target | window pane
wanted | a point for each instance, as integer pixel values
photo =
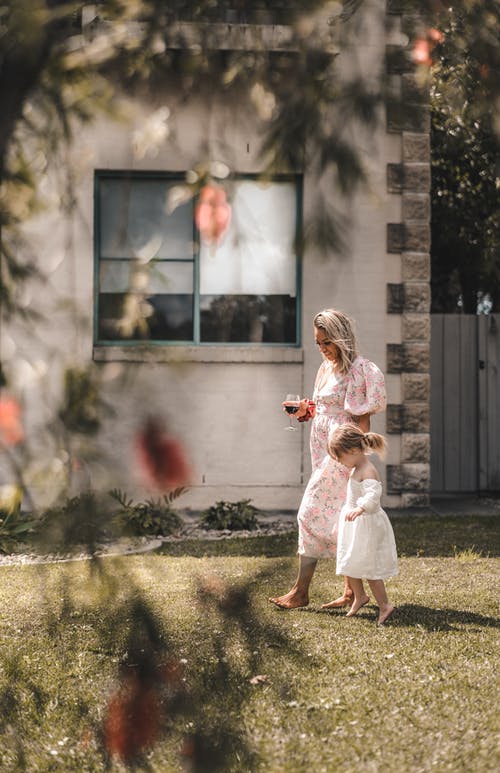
(148, 272)
(257, 255)
(134, 221)
(248, 318)
(125, 317)
(154, 277)
(145, 292)
(248, 282)
(173, 317)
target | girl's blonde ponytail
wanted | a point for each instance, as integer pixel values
(375, 442)
(348, 437)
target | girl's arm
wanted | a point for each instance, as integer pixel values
(353, 514)
(368, 503)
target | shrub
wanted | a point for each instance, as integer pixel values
(80, 520)
(230, 515)
(14, 526)
(149, 517)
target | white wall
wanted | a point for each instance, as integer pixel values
(227, 413)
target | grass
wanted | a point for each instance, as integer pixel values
(331, 694)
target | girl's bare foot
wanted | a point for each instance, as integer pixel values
(342, 601)
(291, 600)
(357, 604)
(385, 613)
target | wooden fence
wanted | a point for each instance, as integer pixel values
(465, 403)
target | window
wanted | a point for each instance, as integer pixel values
(157, 281)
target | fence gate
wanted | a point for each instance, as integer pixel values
(465, 403)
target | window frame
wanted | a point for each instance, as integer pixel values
(195, 342)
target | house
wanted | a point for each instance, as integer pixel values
(211, 336)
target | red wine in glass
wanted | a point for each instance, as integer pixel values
(291, 404)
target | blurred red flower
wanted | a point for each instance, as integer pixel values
(213, 213)
(421, 51)
(423, 46)
(435, 35)
(161, 457)
(11, 429)
(137, 709)
(132, 721)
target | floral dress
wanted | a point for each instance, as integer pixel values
(366, 546)
(338, 398)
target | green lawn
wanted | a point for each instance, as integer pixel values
(332, 694)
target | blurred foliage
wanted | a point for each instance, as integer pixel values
(80, 522)
(154, 516)
(81, 401)
(59, 456)
(15, 527)
(211, 660)
(114, 681)
(62, 63)
(230, 515)
(465, 142)
(471, 30)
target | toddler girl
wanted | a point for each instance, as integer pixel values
(365, 542)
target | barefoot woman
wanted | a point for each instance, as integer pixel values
(348, 388)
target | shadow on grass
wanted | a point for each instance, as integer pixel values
(271, 546)
(151, 694)
(435, 536)
(419, 616)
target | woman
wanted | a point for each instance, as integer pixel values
(348, 388)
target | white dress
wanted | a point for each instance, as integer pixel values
(366, 548)
(338, 398)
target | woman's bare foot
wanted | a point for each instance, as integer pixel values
(343, 601)
(291, 600)
(385, 613)
(357, 604)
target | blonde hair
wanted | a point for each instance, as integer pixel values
(349, 437)
(339, 329)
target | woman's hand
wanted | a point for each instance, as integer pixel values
(303, 408)
(353, 514)
(306, 411)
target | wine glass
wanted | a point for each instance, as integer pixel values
(291, 404)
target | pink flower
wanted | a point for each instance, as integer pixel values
(11, 429)
(161, 457)
(213, 213)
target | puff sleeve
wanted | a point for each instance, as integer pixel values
(370, 499)
(365, 391)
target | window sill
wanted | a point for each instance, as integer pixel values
(230, 35)
(227, 353)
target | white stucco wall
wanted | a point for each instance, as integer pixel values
(228, 412)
